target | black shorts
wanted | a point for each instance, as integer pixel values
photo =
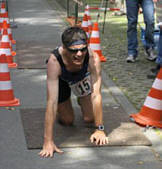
(64, 91)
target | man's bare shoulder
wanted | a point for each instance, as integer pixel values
(52, 59)
(53, 66)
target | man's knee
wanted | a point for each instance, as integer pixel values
(66, 120)
(89, 119)
(132, 25)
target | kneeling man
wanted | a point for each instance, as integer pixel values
(73, 67)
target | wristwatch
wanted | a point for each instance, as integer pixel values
(100, 127)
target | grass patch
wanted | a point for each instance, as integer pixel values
(159, 132)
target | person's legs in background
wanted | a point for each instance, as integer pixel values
(154, 71)
(159, 58)
(132, 16)
(148, 13)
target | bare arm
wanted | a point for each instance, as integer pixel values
(99, 137)
(53, 70)
(96, 86)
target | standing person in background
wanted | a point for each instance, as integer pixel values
(159, 58)
(132, 16)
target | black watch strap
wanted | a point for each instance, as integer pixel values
(100, 127)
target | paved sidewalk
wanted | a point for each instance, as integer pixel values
(38, 21)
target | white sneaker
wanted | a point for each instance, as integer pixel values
(131, 59)
(151, 54)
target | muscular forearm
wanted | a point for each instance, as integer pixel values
(97, 109)
(50, 117)
(49, 146)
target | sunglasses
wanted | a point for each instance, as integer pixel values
(77, 50)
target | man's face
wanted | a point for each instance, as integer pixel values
(77, 53)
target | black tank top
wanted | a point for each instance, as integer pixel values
(72, 77)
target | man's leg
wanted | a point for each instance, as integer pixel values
(87, 108)
(159, 58)
(132, 16)
(65, 112)
(154, 71)
(148, 12)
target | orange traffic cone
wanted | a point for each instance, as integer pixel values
(84, 25)
(95, 42)
(3, 13)
(89, 18)
(6, 24)
(5, 48)
(3, 8)
(2, 18)
(151, 112)
(6, 92)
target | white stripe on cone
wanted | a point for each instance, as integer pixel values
(84, 24)
(87, 11)
(95, 46)
(153, 103)
(3, 10)
(5, 51)
(89, 23)
(5, 38)
(157, 84)
(9, 30)
(4, 67)
(95, 34)
(4, 19)
(88, 15)
(5, 85)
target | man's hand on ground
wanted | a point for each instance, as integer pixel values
(49, 149)
(99, 138)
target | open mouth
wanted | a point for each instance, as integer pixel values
(77, 59)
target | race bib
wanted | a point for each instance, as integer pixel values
(82, 88)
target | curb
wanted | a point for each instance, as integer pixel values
(118, 94)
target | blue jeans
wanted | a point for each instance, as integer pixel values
(132, 16)
(159, 58)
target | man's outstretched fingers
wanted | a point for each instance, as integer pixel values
(103, 141)
(47, 154)
(98, 140)
(107, 140)
(42, 153)
(51, 154)
(58, 150)
(92, 138)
